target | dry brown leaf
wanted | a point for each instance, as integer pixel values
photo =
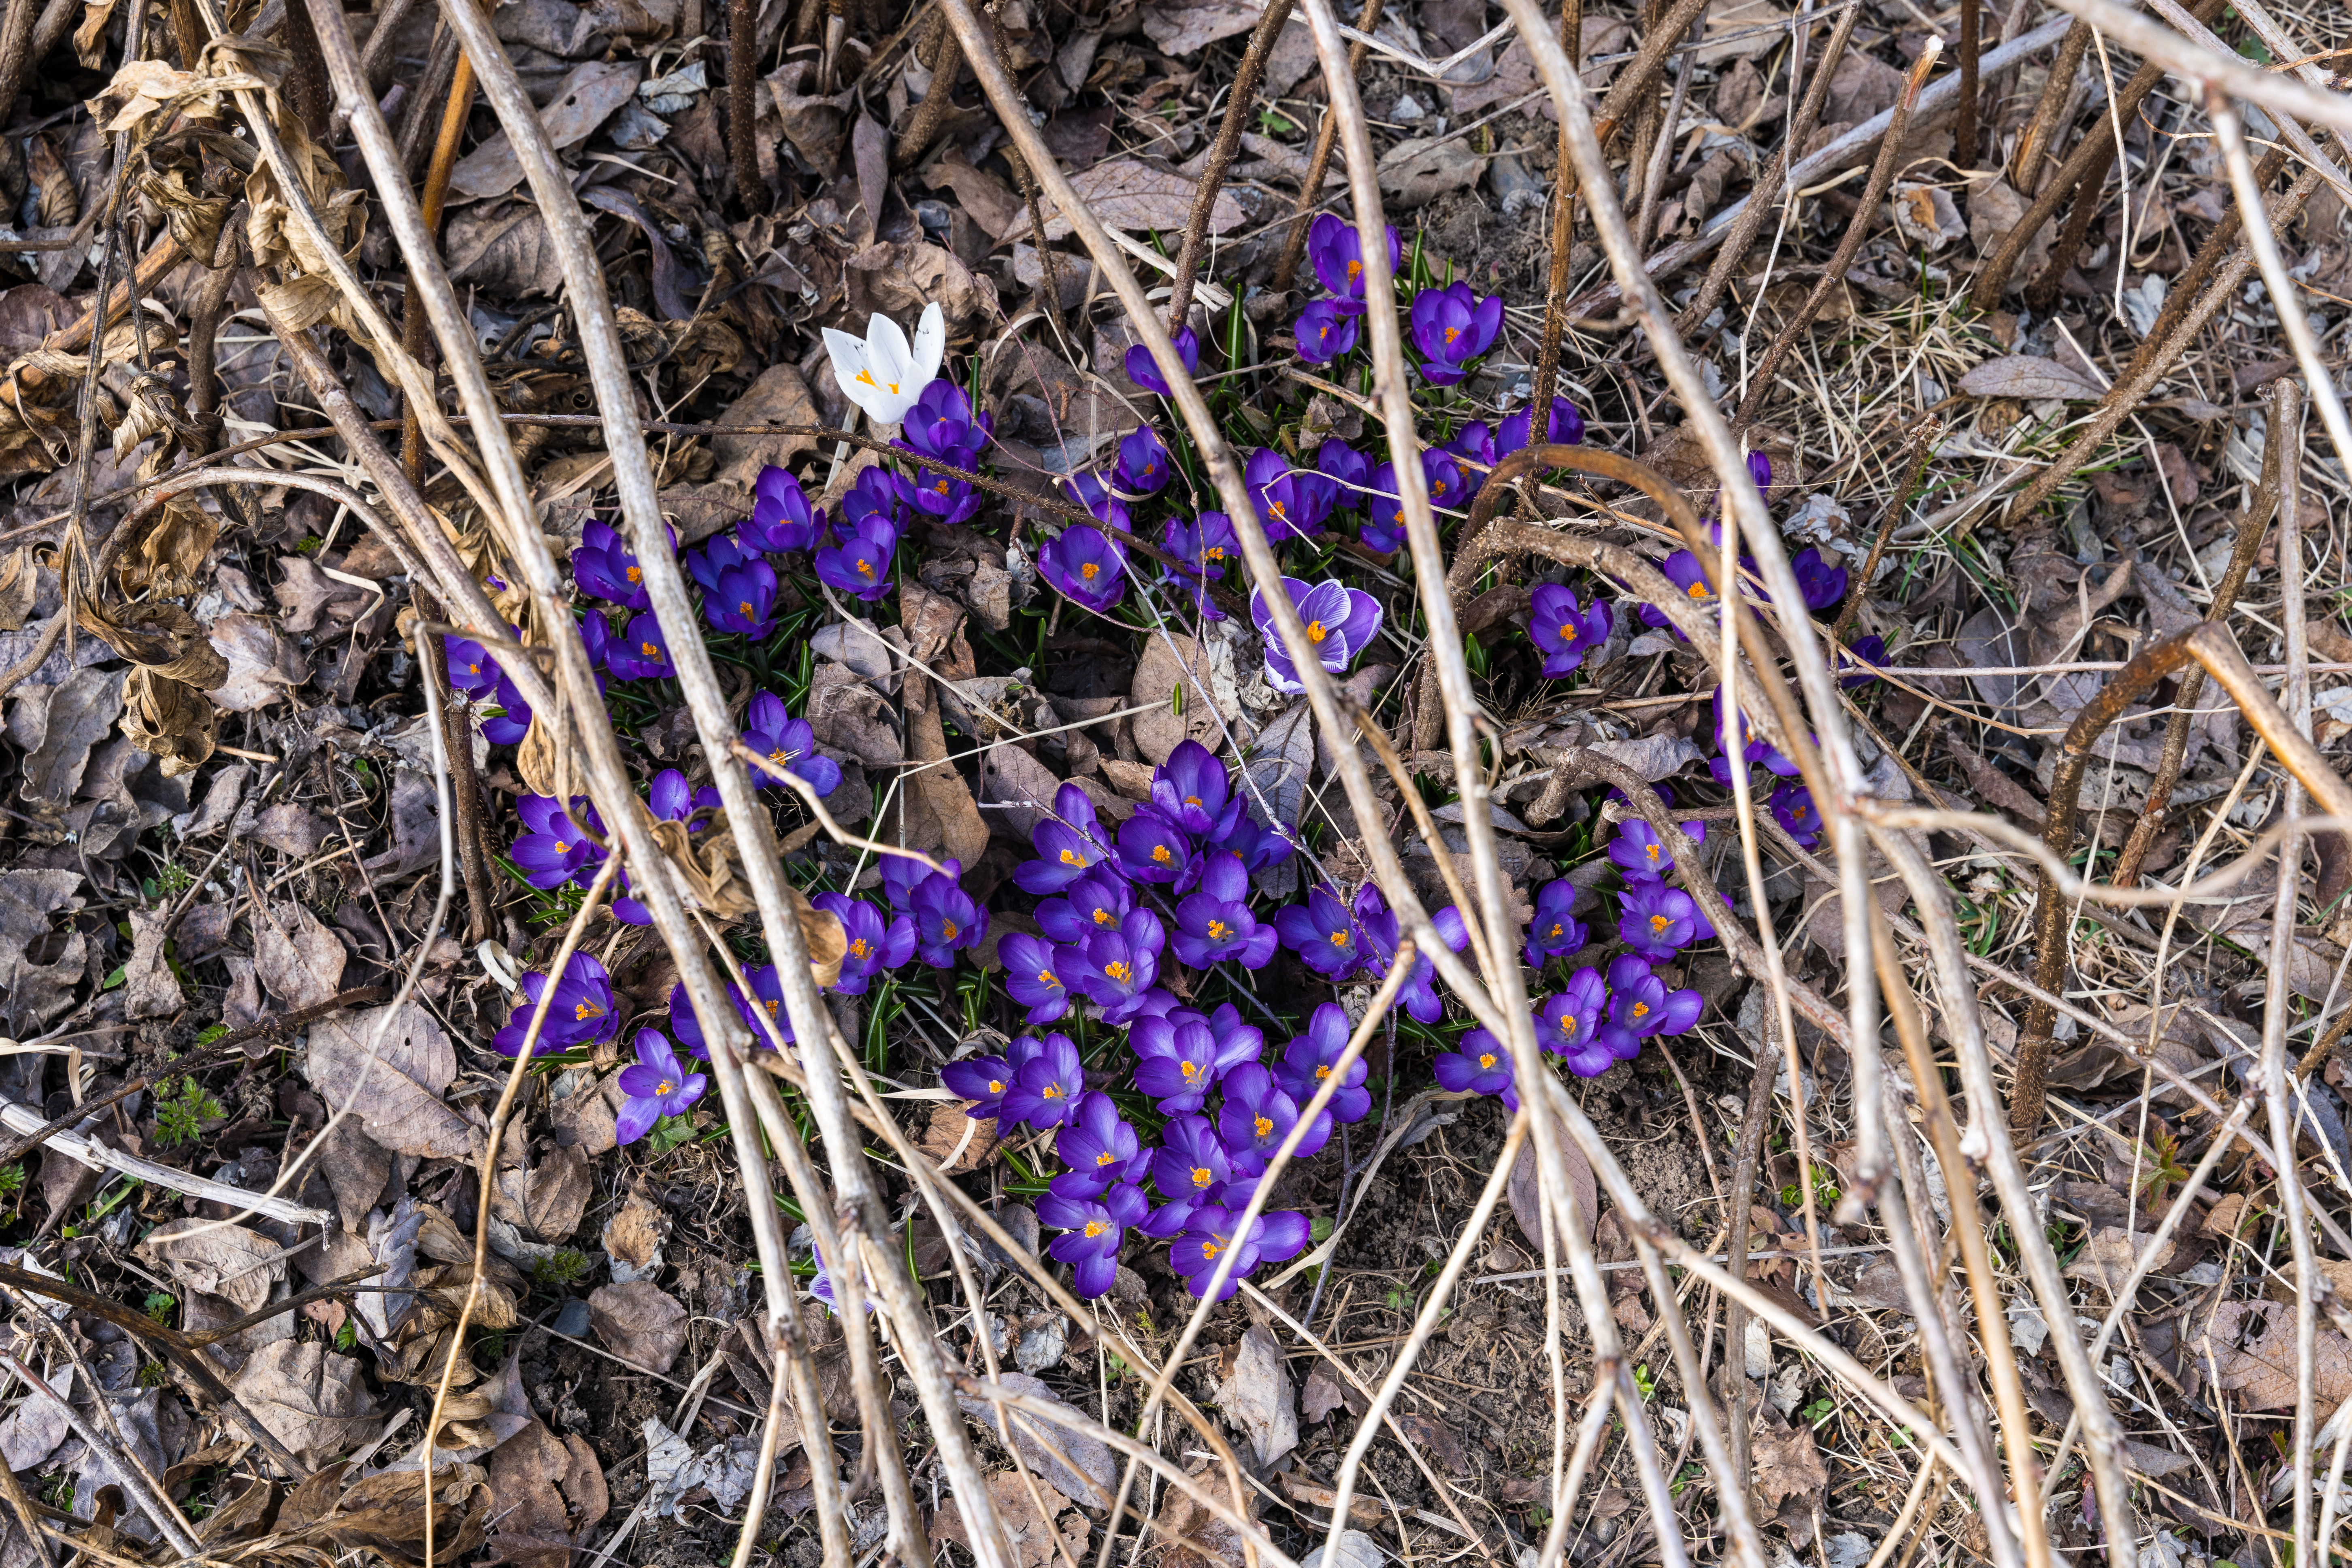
(79, 712)
(2108, 1259)
(171, 720)
(299, 960)
(549, 1494)
(640, 1322)
(398, 1100)
(1526, 1192)
(2028, 378)
(150, 989)
(1787, 1462)
(958, 1143)
(1032, 1536)
(547, 1201)
(584, 99)
(1158, 674)
(777, 397)
(310, 1399)
(225, 1261)
(633, 1236)
(30, 901)
(1128, 193)
(2253, 1349)
(1257, 1397)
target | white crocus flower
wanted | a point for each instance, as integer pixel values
(885, 374)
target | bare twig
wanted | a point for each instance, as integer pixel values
(1327, 134)
(1242, 97)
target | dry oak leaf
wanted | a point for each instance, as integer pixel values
(1096, 1475)
(1125, 193)
(2253, 1351)
(225, 1260)
(640, 1322)
(547, 1201)
(1157, 676)
(1788, 1463)
(1031, 1534)
(310, 1399)
(398, 1095)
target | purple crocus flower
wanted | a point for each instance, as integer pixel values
(877, 494)
(860, 564)
(658, 1084)
(687, 1028)
(1383, 527)
(642, 653)
(1204, 543)
(1821, 584)
(1069, 844)
(606, 566)
(1341, 623)
(1639, 1003)
(739, 591)
(947, 920)
(581, 1009)
(512, 721)
(1754, 751)
(1030, 978)
(1046, 1086)
(1554, 932)
(902, 874)
(939, 426)
(1792, 808)
(596, 640)
(1144, 371)
(1638, 851)
(874, 945)
(472, 671)
(1323, 933)
(1564, 428)
(1144, 464)
(1257, 1116)
(764, 1010)
(1327, 330)
(556, 849)
(1759, 469)
(1152, 848)
(782, 520)
(1089, 491)
(1191, 790)
(1310, 1059)
(1856, 671)
(1086, 566)
(1190, 1170)
(982, 1081)
(1116, 969)
(1566, 1023)
(1215, 923)
(1350, 471)
(1259, 845)
(1214, 1232)
(1448, 485)
(1475, 442)
(1100, 1150)
(1452, 326)
(1337, 248)
(1181, 1058)
(1480, 1067)
(1378, 924)
(1095, 901)
(943, 497)
(1286, 513)
(1565, 633)
(674, 800)
(1684, 571)
(790, 743)
(1655, 920)
(1092, 1232)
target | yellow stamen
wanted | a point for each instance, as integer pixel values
(1264, 1126)
(1095, 1227)
(1487, 1059)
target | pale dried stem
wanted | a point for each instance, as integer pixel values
(1310, 189)
(2025, 163)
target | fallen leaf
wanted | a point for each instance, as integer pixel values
(548, 1494)
(1257, 1397)
(778, 396)
(262, 665)
(584, 99)
(1029, 1534)
(1927, 215)
(1017, 789)
(1414, 174)
(2253, 1349)
(225, 1260)
(1096, 1475)
(35, 1428)
(1437, 1439)
(299, 960)
(150, 989)
(81, 713)
(290, 829)
(1158, 674)
(1526, 1192)
(2108, 1259)
(38, 991)
(505, 248)
(398, 1095)
(310, 1399)
(639, 1321)
(2028, 378)
(633, 1237)
(547, 1201)
(1127, 193)
(956, 1142)
(1787, 1462)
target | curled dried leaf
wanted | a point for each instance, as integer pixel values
(170, 719)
